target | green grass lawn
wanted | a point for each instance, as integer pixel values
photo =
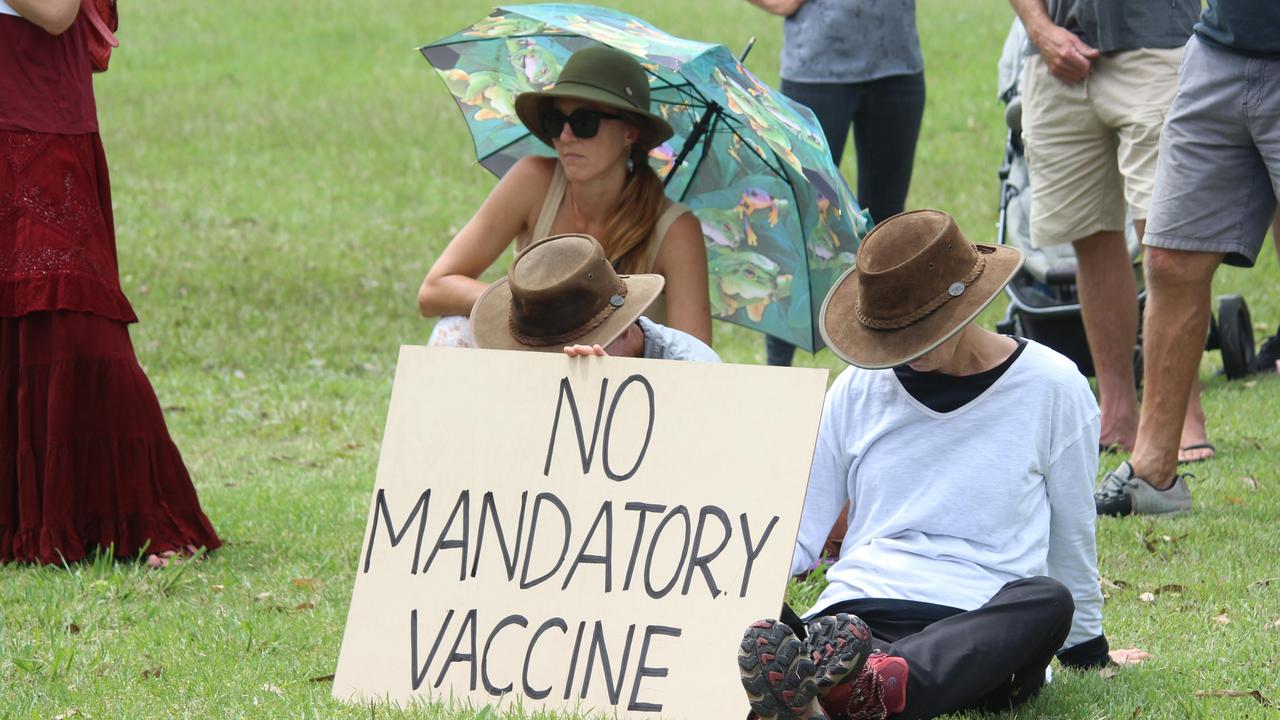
(284, 174)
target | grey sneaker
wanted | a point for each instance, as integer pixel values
(1123, 493)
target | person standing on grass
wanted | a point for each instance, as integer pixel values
(856, 63)
(1215, 194)
(598, 119)
(1095, 88)
(967, 459)
(86, 462)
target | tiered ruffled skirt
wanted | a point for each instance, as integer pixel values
(86, 461)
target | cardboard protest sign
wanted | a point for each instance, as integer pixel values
(579, 533)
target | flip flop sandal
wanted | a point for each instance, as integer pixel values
(1213, 452)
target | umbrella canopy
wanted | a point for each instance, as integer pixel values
(779, 220)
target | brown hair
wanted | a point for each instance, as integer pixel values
(635, 217)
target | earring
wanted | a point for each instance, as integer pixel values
(631, 164)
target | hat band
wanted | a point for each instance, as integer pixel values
(631, 103)
(591, 324)
(919, 313)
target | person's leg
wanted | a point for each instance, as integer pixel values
(451, 331)
(833, 105)
(1178, 294)
(1077, 196)
(1194, 445)
(1109, 309)
(1135, 91)
(886, 128)
(1212, 202)
(992, 657)
(778, 352)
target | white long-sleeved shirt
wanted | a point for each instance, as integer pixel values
(948, 507)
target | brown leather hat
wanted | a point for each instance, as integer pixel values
(916, 282)
(561, 290)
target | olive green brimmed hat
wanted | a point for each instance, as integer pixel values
(916, 282)
(604, 76)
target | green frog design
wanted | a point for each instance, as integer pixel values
(744, 279)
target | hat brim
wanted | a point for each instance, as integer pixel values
(653, 129)
(873, 349)
(491, 316)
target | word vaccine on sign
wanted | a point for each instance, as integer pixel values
(577, 532)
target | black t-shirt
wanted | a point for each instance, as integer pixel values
(944, 393)
(1251, 27)
(1113, 26)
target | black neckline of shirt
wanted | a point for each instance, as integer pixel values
(947, 393)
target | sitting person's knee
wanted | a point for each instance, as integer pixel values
(1046, 590)
(1058, 594)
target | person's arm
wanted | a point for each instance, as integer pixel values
(785, 8)
(1073, 557)
(683, 262)
(828, 483)
(54, 16)
(451, 286)
(1068, 57)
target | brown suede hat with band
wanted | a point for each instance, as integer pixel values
(561, 290)
(916, 282)
(603, 76)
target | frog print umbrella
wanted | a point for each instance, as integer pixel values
(779, 221)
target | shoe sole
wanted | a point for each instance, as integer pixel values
(777, 672)
(839, 646)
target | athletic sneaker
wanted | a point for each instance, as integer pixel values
(838, 645)
(783, 675)
(875, 692)
(1123, 493)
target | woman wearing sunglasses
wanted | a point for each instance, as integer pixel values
(597, 119)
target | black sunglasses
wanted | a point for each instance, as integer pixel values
(584, 123)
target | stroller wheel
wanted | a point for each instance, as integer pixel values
(1214, 340)
(1235, 336)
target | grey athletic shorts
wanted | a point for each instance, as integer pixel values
(1218, 175)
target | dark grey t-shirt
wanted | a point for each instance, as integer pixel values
(845, 41)
(1118, 25)
(1248, 26)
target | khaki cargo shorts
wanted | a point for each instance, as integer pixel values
(1092, 147)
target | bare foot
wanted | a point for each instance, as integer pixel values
(1119, 429)
(157, 561)
(1129, 656)
(1195, 445)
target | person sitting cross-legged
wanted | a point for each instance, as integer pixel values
(967, 459)
(561, 294)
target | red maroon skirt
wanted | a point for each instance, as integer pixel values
(85, 458)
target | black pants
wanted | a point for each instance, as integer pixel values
(992, 658)
(885, 115)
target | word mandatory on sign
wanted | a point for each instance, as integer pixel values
(589, 533)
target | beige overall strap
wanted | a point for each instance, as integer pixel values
(550, 206)
(665, 221)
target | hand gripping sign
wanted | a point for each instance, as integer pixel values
(579, 533)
